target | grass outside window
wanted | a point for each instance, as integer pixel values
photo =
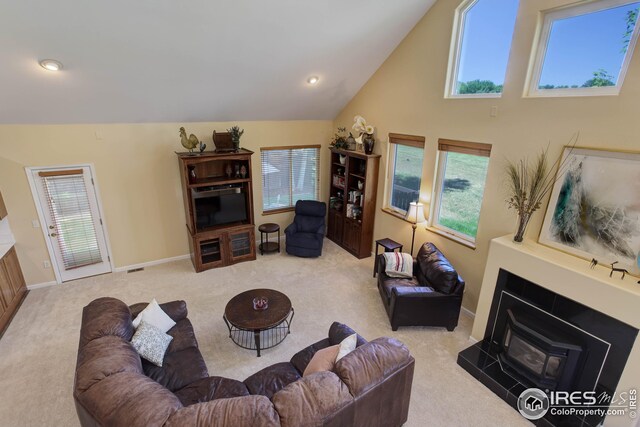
(459, 193)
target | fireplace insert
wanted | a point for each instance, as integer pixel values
(539, 352)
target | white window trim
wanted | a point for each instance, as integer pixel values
(391, 170)
(454, 55)
(437, 200)
(433, 223)
(388, 182)
(541, 41)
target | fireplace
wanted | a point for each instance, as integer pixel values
(541, 355)
(535, 337)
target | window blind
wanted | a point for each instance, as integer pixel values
(289, 174)
(464, 147)
(68, 204)
(410, 140)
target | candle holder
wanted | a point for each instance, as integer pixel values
(260, 303)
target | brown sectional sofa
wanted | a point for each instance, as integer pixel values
(371, 386)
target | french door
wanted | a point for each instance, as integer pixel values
(71, 221)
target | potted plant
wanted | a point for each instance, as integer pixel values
(235, 134)
(528, 183)
(339, 140)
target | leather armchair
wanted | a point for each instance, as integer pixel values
(306, 234)
(433, 297)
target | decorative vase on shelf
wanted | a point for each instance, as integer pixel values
(343, 159)
(523, 221)
(369, 141)
(228, 170)
(243, 171)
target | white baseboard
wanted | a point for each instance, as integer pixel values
(41, 285)
(119, 269)
(150, 263)
(468, 312)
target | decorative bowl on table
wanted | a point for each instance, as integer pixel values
(260, 303)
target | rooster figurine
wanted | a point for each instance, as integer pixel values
(188, 143)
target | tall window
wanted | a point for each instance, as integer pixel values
(462, 171)
(480, 46)
(405, 171)
(584, 49)
(289, 174)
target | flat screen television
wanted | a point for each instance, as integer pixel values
(220, 209)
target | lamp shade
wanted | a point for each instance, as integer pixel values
(415, 214)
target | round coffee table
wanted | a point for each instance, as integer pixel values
(258, 329)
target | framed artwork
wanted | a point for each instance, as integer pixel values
(594, 209)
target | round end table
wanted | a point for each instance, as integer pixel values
(265, 244)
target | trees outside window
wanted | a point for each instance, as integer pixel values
(584, 49)
(480, 47)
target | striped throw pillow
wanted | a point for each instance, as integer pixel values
(398, 264)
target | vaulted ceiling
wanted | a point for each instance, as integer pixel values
(192, 60)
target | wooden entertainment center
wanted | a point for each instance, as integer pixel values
(218, 202)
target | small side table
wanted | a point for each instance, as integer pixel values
(389, 246)
(265, 244)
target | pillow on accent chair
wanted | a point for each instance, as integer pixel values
(154, 315)
(323, 360)
(398, 265)
(151, 343)
(347, 346)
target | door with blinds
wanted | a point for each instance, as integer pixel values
(71, 220)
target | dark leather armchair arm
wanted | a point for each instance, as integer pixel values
(417, 292)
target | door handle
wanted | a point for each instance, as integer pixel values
(53, 235)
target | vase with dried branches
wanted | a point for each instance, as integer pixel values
(528, 184)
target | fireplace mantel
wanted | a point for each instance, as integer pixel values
(572, 278)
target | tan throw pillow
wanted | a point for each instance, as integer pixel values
(323, 360)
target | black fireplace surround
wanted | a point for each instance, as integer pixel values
(537, 338)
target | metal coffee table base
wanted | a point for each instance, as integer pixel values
(260, 339)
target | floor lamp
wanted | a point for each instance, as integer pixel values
(415, 215)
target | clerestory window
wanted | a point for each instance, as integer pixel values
(480, 47)
(584, 49)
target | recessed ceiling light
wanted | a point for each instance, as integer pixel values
(51, 64)
(313, 80)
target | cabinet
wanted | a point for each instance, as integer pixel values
(3, 208)
(218, 201)
(12, 287)
(352, 200)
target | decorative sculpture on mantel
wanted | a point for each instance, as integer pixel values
(188, 143)
(620, 270)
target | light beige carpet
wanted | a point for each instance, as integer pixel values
(38, 350)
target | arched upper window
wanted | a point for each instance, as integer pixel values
(583, 49)
(480, 46)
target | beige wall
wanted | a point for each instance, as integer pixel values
(137, 174)
(406, 96)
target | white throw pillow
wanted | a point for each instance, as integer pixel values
(347, 346)
(154, 315)
(151, 343)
